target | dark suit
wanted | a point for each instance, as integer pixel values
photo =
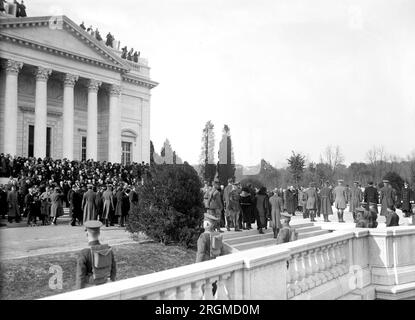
(371, 196)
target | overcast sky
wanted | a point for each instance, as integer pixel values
(283, 74)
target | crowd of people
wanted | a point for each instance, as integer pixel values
(20, 8)
(39, 190)
(126, 54)
(239, 206)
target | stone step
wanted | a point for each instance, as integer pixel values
(268, 234)
(312, 234)
(268, 240)
(245, 233)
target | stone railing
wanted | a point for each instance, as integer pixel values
(357, 264)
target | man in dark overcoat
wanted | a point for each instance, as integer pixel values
(406, 200)
(371, 196)
(387, 198)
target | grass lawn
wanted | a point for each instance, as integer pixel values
(28, 278)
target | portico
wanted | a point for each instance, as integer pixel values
(71, 104)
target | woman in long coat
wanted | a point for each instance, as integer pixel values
(45, 203)
(290, 201)
(246, 203)
(326, 202)
(56, 209)
(262, 208)
(277, 208)
(88, 205)
(108, 205)
(13, 205)
(118, 205)
(312, 198)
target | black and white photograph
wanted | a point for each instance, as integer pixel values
(226, 151)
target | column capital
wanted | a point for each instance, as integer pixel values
(12, 66)
(115, 90)
(42, 74)
(69, 80)
(93, 85)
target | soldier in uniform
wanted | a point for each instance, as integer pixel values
(340, 199)
(209, 244)
(387, 198)
(97, 263)
(356, 197)
(277, 207)
(286, 233)
(311, 202)
(215, 203)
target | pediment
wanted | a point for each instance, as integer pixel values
(60, 35)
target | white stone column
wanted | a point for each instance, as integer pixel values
(92, 131)
(10, 103)
(68, 115)
(41, 111)
(145, 131)
(114, 128)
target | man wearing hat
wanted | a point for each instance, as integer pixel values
(286, 233)
(362, 217)
(371, 196)
(97, 263)
(356, 197)
(340, 199)
(209, 244)
(277, 207)
(89, 204)
(326, 201)
(215, 204)
(387, 198)
(311, 196)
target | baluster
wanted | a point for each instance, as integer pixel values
(290, 293)
(222, 292)
(344, 255)
(321, 266)
(196, 290)
(181, 292)
(337, 259)
(169, 294)
(153, 296)
(315, 267)
(294, 276)
(326, 263)
(329, 264)
(309, 269)
(209, 289)
(299, 263)
(333, 263)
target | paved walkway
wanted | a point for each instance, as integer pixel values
(19, 242)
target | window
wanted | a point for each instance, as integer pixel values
(31, 143)
(83, 149)
(126, 153)
(48, 141)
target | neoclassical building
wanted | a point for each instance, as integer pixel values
(65, 94)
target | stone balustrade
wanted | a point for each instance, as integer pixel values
(354, 264)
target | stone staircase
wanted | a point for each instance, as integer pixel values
(240, 241)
